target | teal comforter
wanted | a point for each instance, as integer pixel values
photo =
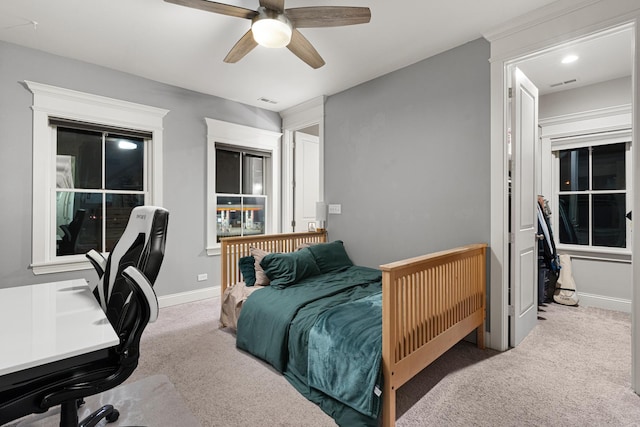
(276, 324)
(345, 351)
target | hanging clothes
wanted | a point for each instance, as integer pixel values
(549, 262)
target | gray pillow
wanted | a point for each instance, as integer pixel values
(261, 278)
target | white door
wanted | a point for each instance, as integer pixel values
(306, 180)
(523, 295)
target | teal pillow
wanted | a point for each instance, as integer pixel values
(285, 269)
(330, 256)
(246, 264)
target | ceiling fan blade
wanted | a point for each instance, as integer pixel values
(301, 47)
(211, 6)
(241, 48)
(273, 4)
(328, 16)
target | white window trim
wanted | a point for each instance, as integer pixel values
(251, 138)
(69, 104)
(597, 127)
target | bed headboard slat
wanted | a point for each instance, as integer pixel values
(234, 248)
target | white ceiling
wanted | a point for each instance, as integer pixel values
(185, 47)
(602, 57)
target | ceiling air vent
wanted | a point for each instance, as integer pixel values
(566, 82)
(267, 100)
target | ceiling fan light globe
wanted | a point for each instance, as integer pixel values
(271, 29)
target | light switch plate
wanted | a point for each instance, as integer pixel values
(335, 209)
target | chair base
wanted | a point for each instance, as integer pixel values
(69, 415)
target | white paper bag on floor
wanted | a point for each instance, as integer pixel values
(565, 292)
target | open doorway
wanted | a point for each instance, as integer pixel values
(306, 179)
(532, 35)
(583, 167)
(302, 164)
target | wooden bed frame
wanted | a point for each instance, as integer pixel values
(429, 303)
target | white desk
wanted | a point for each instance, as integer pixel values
(50, 322)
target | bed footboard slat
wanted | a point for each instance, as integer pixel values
(429, 303)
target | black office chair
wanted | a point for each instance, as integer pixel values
(126, 295)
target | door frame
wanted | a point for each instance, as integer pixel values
(545, 28)
(293, 119)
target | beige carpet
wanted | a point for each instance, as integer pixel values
(574, 369)
(152, 401)
(221, 385)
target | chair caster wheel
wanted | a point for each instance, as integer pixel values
(113, 416)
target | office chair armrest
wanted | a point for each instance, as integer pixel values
(134, 275)
(98, 261)
(65, 230)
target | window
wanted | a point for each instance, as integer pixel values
(100, 178)
(593, 193)
(240, 189)
(94, 159)
(243, 181)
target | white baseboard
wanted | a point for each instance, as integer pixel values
(608, 303)
(189, 296)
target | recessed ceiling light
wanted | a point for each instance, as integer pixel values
(569, 59)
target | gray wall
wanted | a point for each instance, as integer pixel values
(598, 282)
(612, 93)
(184, 161)
(407, 157)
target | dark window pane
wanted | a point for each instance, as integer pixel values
(253, 176)
(119, 208)
(608, 167)
(229, 216)
(574, 219)
(253, 215)
(227, 172)
(574, 169)
(124, 163)
(79, 222)
(79, 159)
(609, 226)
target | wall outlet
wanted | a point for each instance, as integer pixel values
(202, 277)
(335, 209)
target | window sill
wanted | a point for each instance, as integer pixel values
(214, 251)
(596, 254)
(62, 266)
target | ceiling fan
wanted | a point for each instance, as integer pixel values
(274, 26)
